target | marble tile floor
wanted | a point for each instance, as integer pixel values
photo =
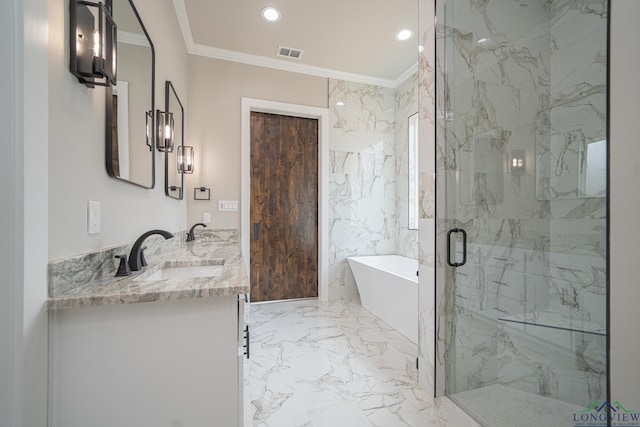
(335, 365)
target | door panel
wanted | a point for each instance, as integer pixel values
(284, 207)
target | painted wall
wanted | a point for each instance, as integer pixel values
(23, 218)
(214, 122)
(11, 221)
(77, 170)
(625, 204)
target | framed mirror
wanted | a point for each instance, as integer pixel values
(130, 102)
(173, 179)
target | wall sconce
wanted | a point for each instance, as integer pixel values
(185, 159)
(165, 131)
(516, 162)
(93, 53)
(149, 127)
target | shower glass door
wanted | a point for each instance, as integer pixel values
(521, 206)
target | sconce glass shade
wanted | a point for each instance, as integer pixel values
(92, 52)
(164, 138)
(185, 159)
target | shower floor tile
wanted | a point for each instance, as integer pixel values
(499, 405)
(335, 365)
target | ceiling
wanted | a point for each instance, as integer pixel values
(346, 39)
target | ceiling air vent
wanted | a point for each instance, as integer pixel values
(290, 52)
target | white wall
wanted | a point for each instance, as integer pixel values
(625, 203)
(214, 124)
(10, 216)
(77, 141)
(36, 149)
(23, 218)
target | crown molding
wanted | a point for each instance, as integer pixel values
(133, 38)
(274, 63)
(183, 21)
(404, 76)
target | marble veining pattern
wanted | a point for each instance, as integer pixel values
(535, 85)
(71, 287)
(368, 181)
(429, 312)
(362, 193)
(335, 364)
(406, 106)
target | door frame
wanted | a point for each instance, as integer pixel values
(294, 110)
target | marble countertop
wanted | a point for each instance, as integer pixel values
(131, 289)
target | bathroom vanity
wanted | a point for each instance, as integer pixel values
(157, 348)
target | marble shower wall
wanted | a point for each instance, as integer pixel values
(362, 181)
(368, 183)
(406, 106)
(431, 372)
(530, 87)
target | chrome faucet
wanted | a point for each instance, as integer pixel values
(136, 258)
(190, 236)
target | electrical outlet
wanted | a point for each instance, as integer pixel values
(93, 217)
(206, 218)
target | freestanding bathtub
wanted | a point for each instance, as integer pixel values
(388, 287)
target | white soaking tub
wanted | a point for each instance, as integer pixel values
(388, 287)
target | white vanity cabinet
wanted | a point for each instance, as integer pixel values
(174, 364)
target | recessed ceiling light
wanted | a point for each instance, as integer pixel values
(483, 41)
(339, 104)
(404, 34)
(270, 14)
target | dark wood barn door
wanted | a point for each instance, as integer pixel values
(284, 207)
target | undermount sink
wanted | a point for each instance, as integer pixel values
(184, 272)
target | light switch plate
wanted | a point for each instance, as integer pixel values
(227, 205)
(206, 217)
(93, 217)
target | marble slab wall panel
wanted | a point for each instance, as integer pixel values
(362, 188)
(406, 106)
(527, 85)
(577, 118)
(431, 309)
(554, 363)
(67, 273)
(492, 72)
(577, 102)
(577, 246)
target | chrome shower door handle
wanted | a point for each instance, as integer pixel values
(451, 263)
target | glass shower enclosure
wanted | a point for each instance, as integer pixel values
(521, 152)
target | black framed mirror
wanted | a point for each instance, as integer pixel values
(173, 179)
(130, 155)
